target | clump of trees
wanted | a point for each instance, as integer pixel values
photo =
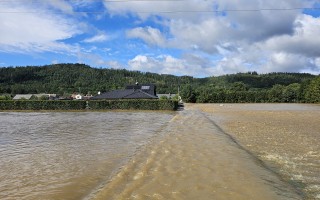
(312, 91)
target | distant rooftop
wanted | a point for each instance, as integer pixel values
(144, 91)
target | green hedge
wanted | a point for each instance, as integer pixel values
(133, 104)
(94, 105)
(42, 105)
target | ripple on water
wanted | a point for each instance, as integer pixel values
(64, 155)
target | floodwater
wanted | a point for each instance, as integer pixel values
(67, 155)
(286, 137)
(132, 155)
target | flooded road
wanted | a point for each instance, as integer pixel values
(202, 153)
(284, 136)
(195, 160)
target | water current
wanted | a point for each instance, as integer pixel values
(67, 155)
(133, 155)
(286, 137)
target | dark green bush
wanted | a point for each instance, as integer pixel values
(42, 105)
(94, 105)
(133, 104)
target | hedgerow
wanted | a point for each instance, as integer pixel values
(93, 105)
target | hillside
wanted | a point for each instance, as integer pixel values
(65, 79)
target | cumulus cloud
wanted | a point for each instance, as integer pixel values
(303, 41)
(148, 34)
(210, 37)
(34, 31)
(167, 64)
(286, 62)
(297, 52)
(206, 35)
(167, 9)
(244, 36)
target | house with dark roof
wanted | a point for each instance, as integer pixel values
(137, 91)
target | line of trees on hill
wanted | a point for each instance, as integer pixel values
(65, 79)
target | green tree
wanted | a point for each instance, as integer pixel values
(239, 86)
(275, 93)
(312, 94)
(188, 95)
(291, 93)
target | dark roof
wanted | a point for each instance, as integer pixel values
(145, 91)
(125, 94)
(148, 88)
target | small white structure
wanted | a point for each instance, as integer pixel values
(78, 97)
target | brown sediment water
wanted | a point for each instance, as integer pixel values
(65, 155)
(195, 159)
(207, 151)
(284, 136)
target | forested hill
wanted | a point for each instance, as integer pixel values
(69, 78)
(64, 79)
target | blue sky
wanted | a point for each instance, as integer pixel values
(200, 38)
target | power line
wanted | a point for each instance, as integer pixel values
(155, 11)
(183, 11)
(112, 1)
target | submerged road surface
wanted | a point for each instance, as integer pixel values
(194, 159)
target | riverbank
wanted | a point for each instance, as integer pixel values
(194, 159)
(284, 136)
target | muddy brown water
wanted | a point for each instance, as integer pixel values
(134, 155)
(286, 137)
(67, 155)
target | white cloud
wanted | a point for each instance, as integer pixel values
(59, 5)
(34, 31)
(317, 62)
(205, 35)
(264, 41)
(149, 35)
(284, 62)
(305, 39)
(167, 64)
(209, 43)
(168, 9)
(101, 37)
(55, 62)
(114, 64)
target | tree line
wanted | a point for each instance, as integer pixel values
(65, 79)
(280, 88)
